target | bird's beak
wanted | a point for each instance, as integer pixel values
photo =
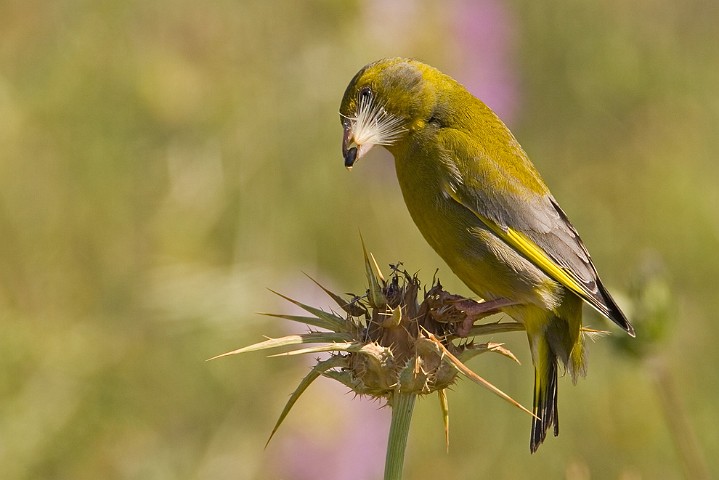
(351, 150)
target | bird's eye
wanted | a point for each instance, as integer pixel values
(365, 95)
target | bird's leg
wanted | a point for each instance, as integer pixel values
(476, 310)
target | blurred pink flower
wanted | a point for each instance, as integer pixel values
(484, 32)
(355, 450)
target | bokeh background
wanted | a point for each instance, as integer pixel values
(163, 163)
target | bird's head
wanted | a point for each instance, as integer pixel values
(383, 104)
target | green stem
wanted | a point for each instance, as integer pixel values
(402, 406)
(695, 467)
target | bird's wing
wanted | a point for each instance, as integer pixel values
(524, 215)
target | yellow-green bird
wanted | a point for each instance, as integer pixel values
(480, 203)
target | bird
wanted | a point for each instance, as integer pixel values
(481, 204)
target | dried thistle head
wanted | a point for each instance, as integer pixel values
(388, 341)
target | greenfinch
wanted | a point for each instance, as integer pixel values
(481, 204)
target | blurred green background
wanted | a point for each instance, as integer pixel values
(162, 163)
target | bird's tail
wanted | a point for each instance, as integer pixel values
(555, 339)
(545, 391)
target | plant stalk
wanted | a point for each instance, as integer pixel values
(402, 408)
(685, 440)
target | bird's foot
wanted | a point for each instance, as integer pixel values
(474, 311)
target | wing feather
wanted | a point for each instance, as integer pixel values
(527, 218)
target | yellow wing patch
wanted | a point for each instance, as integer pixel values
(536, 255)
(525, 246)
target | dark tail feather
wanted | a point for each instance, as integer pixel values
(613, 312)
(545, 398)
